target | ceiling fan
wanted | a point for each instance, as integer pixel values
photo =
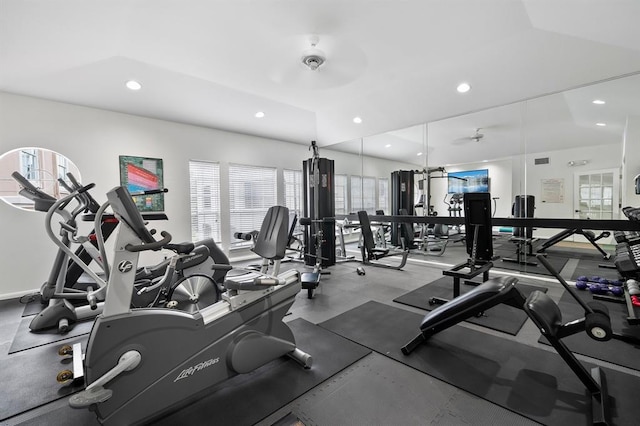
(316, 62)
(476, 137)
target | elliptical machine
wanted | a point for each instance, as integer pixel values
(155, 286)
(131, 374)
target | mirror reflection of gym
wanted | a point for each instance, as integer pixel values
(42, 167)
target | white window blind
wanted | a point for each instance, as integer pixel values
(293, 194)
(252, 191)
(369, 194)
(293, 191)
(356, 194)
(340, 185)
(383, 195)
(205, 200)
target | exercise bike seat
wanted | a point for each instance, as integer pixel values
(181, 248)
(486, 295)
(544, 312)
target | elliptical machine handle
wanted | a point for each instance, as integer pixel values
(166, 239)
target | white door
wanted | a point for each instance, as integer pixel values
(596, 196)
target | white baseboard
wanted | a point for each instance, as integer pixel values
(18, 294)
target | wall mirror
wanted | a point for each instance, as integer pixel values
(41, 167)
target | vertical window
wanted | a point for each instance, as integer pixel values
(383, 195)
(369, 194)
(293, 191)
(204, 180)
(252, 190)
(356, 194)
(63, 167)
(340, 200)
(29, 164)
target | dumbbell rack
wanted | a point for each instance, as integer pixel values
(633, 317)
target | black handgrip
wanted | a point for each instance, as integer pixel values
(305, 221)
(65, 185)
(247, 236)
(166, 239)
(86, 188)
(149, 192)
(73, 180)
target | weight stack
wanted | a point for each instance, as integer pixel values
(401, 198)
(524, 207)
(325, 209)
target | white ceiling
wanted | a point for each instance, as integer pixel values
(395, 63)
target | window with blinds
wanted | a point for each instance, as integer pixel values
(340, 185)
(293, 191)
(363, 194)
(204, 180)
(383, 195)
(252, 190)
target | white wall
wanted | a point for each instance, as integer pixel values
(93, 139)
(632, 162)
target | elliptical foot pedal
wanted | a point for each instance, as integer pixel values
(90, 396)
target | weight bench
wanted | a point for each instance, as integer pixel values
(589, 235)
(544, 312)
(370, 253)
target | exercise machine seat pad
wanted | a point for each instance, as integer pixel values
(499, 288)
(544, 312)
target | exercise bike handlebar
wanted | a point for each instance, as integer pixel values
(166, 239)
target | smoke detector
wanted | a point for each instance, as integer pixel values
(313, 57)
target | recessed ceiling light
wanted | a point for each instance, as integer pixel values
(357, 120)
(601, 124)
(463, 87)
(419, 154)
(259, 114)
(388, 145)
(599, 102)
(133, 85)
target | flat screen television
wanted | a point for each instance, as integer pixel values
(468, 181)
(140, 174)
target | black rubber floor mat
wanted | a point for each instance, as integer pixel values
(249, 398)
(502, 318)
(530, 381)
(26, 339)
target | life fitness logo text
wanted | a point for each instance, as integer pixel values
(125, 266)
(198, 367)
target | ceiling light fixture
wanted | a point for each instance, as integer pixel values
(259, 114)
(601, 124)
(388, 145)
(419, 154)
(574, 163)
(598, 102)
(133, 85)
(357, 120)
(463, 87)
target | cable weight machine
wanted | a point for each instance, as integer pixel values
(319, 212)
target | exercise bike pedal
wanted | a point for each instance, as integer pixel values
(65, 350)
(64, 376)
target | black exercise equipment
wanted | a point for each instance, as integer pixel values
(523, 206)
(319, 203)
(479, 242)
(544, 312)
(589, 235)
(370, 253)
(402, 197)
